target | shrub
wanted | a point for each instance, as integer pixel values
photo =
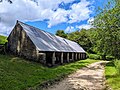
(94, 56)
(110, 57)
(117, 66)
(3, 39)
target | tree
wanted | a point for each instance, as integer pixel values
(82, 38)
(107, 23)
(92, 34)
(61, 33)
(73, 36)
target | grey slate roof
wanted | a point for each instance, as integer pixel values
(45, 41)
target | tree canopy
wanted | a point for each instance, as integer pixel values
(61, 33)
(107, 24)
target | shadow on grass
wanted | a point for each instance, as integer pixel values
(110, 76)
(110, 64)
(77, 66)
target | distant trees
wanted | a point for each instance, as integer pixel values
(81, 37)
(61, 33)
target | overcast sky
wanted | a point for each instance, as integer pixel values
(49, 15)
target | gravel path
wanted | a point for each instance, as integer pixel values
(87, 78)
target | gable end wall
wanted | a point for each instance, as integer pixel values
(20, 44)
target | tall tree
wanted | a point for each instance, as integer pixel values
(107, 23)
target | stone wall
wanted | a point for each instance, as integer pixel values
(20, 44)
(41, 57)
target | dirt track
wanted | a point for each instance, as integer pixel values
(88, 78)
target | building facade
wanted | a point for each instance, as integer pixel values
(40, 46)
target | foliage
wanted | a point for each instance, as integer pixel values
(110, 57)
(18, 74)
(74, 36)
(3, 39)
(107, 24)
(111, 77)
(82, 38)
(61, 33)
(94, 56)
(99, 57)
(117, 66)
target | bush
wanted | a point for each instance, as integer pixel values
(3, 39)
(117, 66)
(94, 56)
(110, 57)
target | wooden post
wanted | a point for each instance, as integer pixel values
(53, 58)
(44, 58)
(81, 56)
(37, 55)
(61, 57)
(72, 56)
(85, 56)
(76, 56)
(67, 57)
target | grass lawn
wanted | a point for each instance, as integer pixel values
(18, 74)
(113, 80)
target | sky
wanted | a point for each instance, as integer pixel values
(49, 15)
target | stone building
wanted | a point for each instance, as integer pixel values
(38, 45)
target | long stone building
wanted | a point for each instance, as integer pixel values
(38, 45)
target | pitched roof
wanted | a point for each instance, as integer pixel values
(45, 41)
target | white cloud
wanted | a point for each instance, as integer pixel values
(86, 26)
(19, 10)
(80, 11)
(5, 29)
(52, 4)
(69, 29)
(57, 17)
(28, 10)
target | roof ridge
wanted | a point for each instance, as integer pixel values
(42, 39)
(43, 30)
(34, 27)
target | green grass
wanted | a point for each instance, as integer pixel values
(3, 39)
(113, 80)
(18, 74)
